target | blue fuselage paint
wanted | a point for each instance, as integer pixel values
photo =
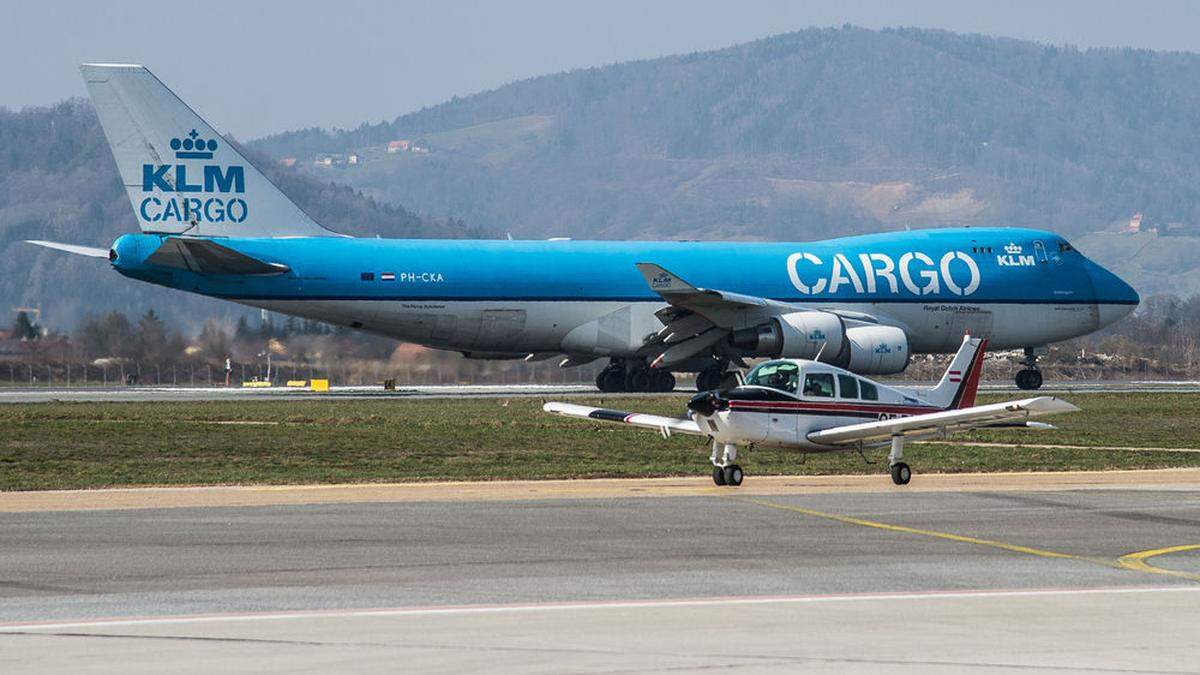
(917, 279)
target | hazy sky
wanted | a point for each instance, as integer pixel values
(252, 68)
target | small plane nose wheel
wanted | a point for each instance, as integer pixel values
(901, 474)
(733, 475)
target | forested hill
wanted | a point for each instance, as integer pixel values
(58, 181)
(803, 135)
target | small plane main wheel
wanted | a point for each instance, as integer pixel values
(733, 475)
(901, 474)
(718, 475)
(1029, 379)
(663, 381)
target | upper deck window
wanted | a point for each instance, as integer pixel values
(781, 375)
(818, 384)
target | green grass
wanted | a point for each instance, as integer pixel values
(84, 445)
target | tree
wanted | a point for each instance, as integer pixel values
(24, 329)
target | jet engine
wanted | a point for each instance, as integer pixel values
(865, 349)
(874, 350)
(796, 335)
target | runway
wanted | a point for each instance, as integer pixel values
(145, 393)
(1102, 576)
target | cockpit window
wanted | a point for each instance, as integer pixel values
(1063, 247)
(818, 384)
(779, 375)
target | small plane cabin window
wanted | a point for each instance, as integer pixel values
(779, 375)
(818, 384)
(847, 386)
(368, 276)
(869, 391)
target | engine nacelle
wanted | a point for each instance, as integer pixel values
(874, 350)
(797, 335)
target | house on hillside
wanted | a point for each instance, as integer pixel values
(399, 146)
(287, 161)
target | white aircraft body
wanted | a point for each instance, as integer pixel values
(812, 406)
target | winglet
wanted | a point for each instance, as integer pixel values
(662, 281)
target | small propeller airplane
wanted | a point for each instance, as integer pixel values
(811, 406)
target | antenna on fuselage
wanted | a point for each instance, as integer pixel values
(821, 350)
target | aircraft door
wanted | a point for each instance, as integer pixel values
(1039, 250)
(977, 323)
(501, 329)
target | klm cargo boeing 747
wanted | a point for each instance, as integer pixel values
(213, 224)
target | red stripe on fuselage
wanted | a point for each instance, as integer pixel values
(768, 406)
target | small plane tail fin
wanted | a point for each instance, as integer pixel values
(960, 382)
(180, 174)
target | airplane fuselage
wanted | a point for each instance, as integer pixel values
(1017, 287)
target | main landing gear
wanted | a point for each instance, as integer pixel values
(1029, 377)
(901, 474)
(715, 377)
(633, 376)
(725, 472)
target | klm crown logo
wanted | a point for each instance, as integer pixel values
(193, 147)
(1013, 248)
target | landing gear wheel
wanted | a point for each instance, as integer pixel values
(611, 380)
(718, 475)
(638, 379)
(709, 379)
(1029, 379)
(901, 474)
(662, 381)
(733, 475)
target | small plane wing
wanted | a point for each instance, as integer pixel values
(71, 248)
(205, 256)
(946, 421)
(664, 425)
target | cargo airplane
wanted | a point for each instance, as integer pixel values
(810, 406)
(211, 223)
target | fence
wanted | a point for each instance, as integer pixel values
(357, 373)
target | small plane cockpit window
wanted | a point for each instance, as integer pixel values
(780, 375)
(847, 386)
(869, 391)
(818, 384)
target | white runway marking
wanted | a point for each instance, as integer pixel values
(584, 606)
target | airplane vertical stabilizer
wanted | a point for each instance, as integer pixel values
(959, 383)
(180, 174)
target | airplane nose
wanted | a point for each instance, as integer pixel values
(1115, 299)
(706, 403)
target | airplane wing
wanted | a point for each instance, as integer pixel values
(698, 318)
(205, 256)
(948, 421)
(664, 425)
(71, 248)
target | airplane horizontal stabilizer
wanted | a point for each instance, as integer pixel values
(71, 248)
(205, 256)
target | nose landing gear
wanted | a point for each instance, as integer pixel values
(1030, 377)
(725, 472)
